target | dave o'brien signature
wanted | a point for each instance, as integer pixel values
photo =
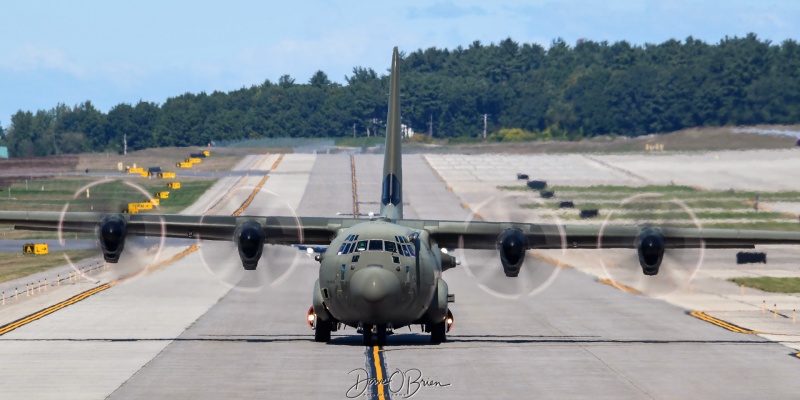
(399, 383)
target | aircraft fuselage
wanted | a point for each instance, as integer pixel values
(376, 273)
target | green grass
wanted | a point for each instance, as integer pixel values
(700, 215)
(756, 225)
(627, 189)
(770, 284)
(17, 265)
(676, 191)
(112, 196)
(514, 188)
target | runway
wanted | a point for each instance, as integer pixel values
(202, 328)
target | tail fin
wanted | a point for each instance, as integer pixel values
(392, 195)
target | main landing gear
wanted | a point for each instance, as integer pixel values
(439, 330)
(322, 329)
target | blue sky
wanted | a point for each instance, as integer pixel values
(112, 52)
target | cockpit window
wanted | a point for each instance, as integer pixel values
(376, 245)
(362, 245)
(349, 248)
(390, 246)
(341, 249)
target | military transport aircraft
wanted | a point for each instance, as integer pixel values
(384, 273)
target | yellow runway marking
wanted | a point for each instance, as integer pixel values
(49, 310)
(256, 190)
(550, 260)
(619, 286)
(718, 322)
(278, 161)
(378, 372)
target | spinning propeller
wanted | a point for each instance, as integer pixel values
(250, 262)
(676, 263)
(510, 271)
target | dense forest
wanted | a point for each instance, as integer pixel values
(561, 92)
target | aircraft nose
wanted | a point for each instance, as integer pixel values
(374, 284)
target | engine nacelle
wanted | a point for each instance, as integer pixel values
(249, 237)
(512, 244)
(650, 247)
(111, 232)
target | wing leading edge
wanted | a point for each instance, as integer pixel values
(484, 235)
(277, 229)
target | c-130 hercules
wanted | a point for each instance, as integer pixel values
(385, 273)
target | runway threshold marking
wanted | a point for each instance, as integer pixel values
(619, 286)
(355, 192)
(718, 322)
(49, 310)
(376, 365)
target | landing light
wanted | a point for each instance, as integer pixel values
(311, 317)
(309, 250)
(444, 250)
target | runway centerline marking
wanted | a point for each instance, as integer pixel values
(376, 367)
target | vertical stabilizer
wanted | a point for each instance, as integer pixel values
(392, 194)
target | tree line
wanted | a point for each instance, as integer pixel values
(559, 92)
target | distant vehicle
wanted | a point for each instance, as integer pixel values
(522, 176)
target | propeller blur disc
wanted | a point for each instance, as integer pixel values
(111, 196)
(679, 266)
(539, 268)
(221, 258)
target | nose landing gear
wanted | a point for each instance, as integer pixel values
(380, 332)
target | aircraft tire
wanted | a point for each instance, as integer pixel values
(438, 333)
(322, 333)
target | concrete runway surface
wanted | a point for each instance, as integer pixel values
(202, 328)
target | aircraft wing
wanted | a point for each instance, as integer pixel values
(277, 229)
(486, 235)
